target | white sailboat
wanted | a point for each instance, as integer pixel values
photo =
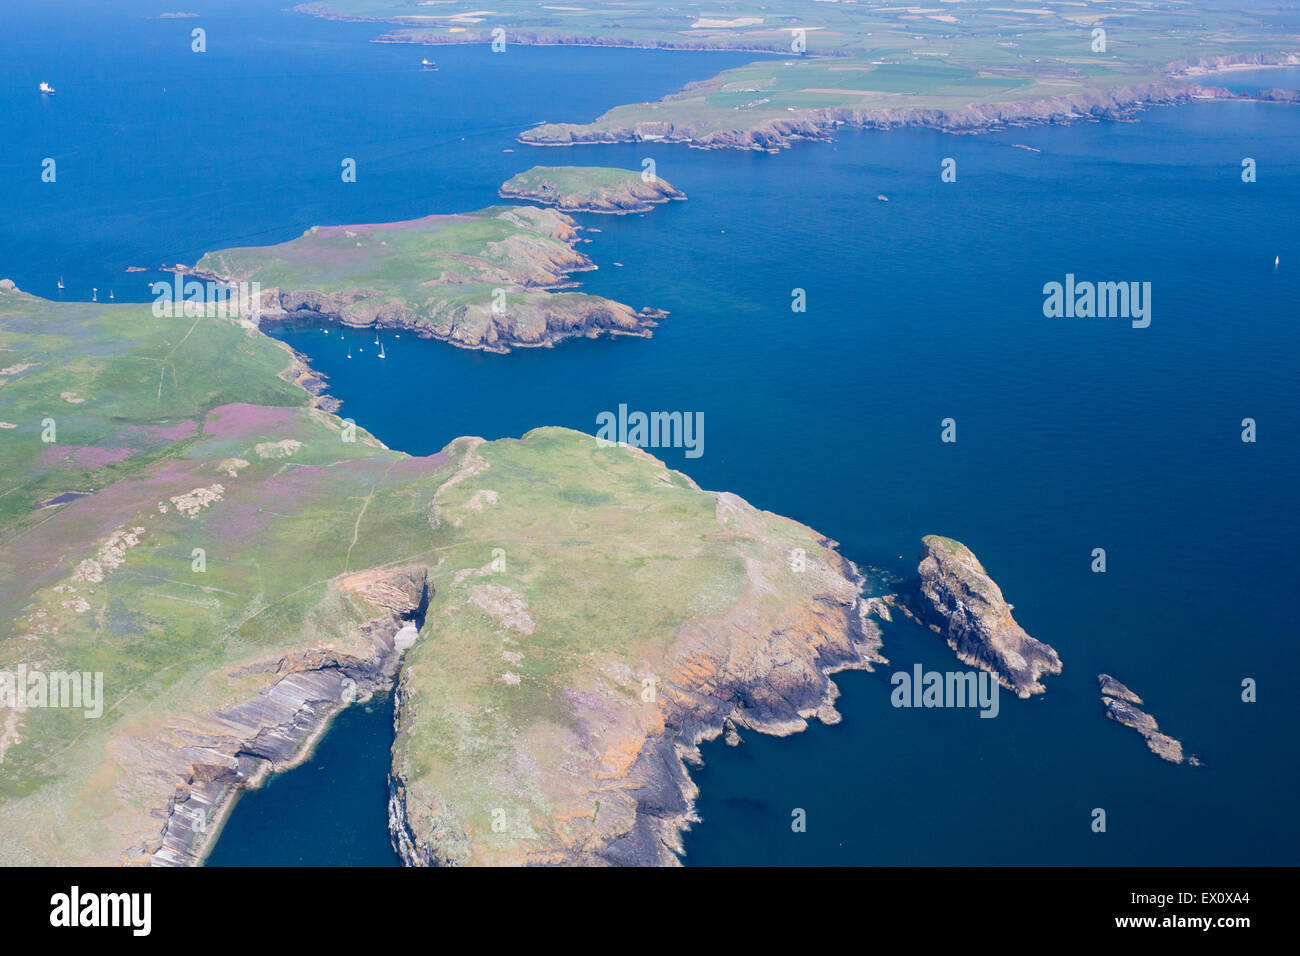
(110, 293)
(94, 294)
(1276, 260)
(46, 89)
(381, 350)
(61, 282)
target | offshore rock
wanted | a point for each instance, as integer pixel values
(1120, 703)
(957, 598)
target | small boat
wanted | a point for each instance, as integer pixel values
(46, 89)
(376, 338)
(882, 198)
(349, 353)
(1276, 260)
(61, 282)
(381, 351)
(94, 294)
(110, 293)
(428, 64)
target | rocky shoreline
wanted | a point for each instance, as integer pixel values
(820, 124)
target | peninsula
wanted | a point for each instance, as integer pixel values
(960, 66)
(599, 189)
(486, 280)
(564, 622)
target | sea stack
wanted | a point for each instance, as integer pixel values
(957, 598)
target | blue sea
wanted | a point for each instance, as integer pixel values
(1072, 434)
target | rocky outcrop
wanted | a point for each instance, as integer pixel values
(217, 755)
(956, 598)
(1120, 704)
(820, 124)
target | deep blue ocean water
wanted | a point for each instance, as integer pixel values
(1072, 433)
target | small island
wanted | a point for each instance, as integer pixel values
(956, 598)
(601, 189)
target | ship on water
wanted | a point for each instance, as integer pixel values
(47, 89)
(428, 64)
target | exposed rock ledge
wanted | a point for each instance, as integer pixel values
(1120, 704)
(957, 598)
(820, 124)
(215, 756)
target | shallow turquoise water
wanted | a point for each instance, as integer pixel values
(1072, 434)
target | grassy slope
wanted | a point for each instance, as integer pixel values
(165, 637)
(426, 265)
(583, 181)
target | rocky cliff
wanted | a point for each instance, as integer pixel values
(217, 755)
(958, 599)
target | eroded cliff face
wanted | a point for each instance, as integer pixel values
(819, 124)
(212, 756)
(959, 600)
